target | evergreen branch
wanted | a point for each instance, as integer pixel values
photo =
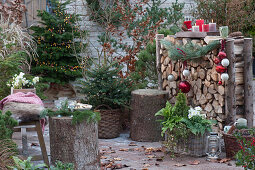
(189, 51)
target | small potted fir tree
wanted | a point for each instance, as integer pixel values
(107, 92)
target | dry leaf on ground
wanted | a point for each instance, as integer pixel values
(195, 162)
(117, 159)
(132, 144)
(146, 165)
(103, 157)
(123, 149)
(224, 160)
(179, 165)
(151, 156)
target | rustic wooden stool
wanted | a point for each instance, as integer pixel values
(25, 127)
(28, 116)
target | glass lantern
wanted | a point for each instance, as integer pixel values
(213, 146)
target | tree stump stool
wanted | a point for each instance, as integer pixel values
(144, 104)
(77, 144)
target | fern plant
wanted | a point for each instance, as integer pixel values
(197, 124)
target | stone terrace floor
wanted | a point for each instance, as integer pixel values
(132, 155)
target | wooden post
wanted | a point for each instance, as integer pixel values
(248, 81)
(77, 144)
(230, 98)
(158, 55)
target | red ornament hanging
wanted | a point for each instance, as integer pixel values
(220, 82)
(222, 55)
(216, 60)
(220, 69)
(184, 86)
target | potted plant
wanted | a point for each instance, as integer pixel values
(184, 127)
(74, 136)
(238, 139)
(107, 92)
(22, 83)
(245, 157)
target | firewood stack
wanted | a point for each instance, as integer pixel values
(205, 90)
(239, 71)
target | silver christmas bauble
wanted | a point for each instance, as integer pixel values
(225, 62)
(186, 73)
(224, 76)
(171, 77)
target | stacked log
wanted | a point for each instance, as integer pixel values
(239, 71)
(205, 90)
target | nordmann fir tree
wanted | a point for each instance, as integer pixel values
(57, 50)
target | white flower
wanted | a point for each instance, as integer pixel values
(198, 108)
(195, 112)
(21, 74)
(8, 84)
(35, 80)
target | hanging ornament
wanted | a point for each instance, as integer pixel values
(220, 83)
(222, 55)
(186, 72)
(220, 69)
(171, 77)
(184, 86)
(224, 76)
(216, 60)
(225, 62)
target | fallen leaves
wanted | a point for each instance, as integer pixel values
(180, 164)
(132, 144)
(224, 160)
(195, 162)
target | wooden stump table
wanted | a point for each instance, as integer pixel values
(144, 104)
(77, 144)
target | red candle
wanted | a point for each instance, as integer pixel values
(188, 24)
(200, 22)
(205, 28)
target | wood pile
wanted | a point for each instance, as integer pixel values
(205, 90)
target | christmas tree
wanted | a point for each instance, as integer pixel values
(57, 46)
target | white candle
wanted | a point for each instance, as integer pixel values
(195, 28)
(212, 27)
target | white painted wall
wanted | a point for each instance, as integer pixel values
(79, 7)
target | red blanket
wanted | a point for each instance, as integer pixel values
(21, 98)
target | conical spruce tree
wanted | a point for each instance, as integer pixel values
(56, 45)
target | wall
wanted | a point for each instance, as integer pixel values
(80, 7)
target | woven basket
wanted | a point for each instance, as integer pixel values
(109, 125)
(232, 145)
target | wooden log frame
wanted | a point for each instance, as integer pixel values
(248, 92)
(230, 98)
(158, 55)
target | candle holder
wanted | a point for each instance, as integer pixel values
(213, 146)
(223, 31)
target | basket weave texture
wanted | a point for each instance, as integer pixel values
(109, 125)
(232, 145)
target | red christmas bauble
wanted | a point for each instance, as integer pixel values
(222, 55)
(216, 60)
(184, 86)
(220, 69)
(220, 82)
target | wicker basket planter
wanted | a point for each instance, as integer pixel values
(231, 144)
(195, 145)
(109, 125)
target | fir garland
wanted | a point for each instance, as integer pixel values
(188, 51)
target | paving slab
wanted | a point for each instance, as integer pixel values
(132, 155)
